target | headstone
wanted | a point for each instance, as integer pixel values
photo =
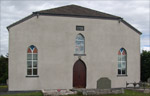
(104, 83)
(148, 80)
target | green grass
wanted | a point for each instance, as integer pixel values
(25, 94)
(134, 93)
(127, 93)
(3, 86)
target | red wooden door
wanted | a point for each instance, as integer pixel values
(79, 74)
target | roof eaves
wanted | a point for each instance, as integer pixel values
(65, 15)
(131, 27)
(82, 16)
(20, 21)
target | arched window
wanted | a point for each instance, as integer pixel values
(122, 62)
(80, 46)
(32, 57)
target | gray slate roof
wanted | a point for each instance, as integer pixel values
(74, 10)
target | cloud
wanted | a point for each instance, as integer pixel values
(146, 48)
(136, 12)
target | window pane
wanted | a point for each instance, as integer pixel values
(80, 28)
(29, 64)
(123, 71)
(123, 65)
(119, 65)
(119, 71)
(82, 43)
(34, 56)
(82, 49)
(29, 56)
(34, 71)
(119, 57)
(29, 71)
(34, 63)
(32, 47)
(79, 48)
(79, 37)
(79, 44)
(123, 57)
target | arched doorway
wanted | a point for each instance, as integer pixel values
(79, 74)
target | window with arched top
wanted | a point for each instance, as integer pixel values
(32, 58)
(122, 62)
(80, 44)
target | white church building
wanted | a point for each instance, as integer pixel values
(72, 47)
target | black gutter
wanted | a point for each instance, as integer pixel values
(72, 15)
(65, 15)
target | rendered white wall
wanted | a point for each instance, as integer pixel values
(55, 39)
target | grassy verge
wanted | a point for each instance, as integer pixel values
(1, 87)
(127, 93)
(25, 94)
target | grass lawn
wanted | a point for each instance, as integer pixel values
(127, 93)
(130, 93)
(5, 86)
(25, 94)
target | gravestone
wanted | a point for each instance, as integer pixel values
(104, 83)
(148, 80)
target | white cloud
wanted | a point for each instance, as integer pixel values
(146, 48)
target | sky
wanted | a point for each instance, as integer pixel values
(135, 12)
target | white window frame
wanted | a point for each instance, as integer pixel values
(32, 60)
(121, 62)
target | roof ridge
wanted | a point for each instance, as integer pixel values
(54, 8)
(96, 11)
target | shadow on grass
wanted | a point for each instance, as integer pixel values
(3, 88)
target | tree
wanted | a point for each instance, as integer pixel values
(145, 65)
(3, 69)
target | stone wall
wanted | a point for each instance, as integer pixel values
(100, 91)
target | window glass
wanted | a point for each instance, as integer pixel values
(34, 63)
(123, 71)
(124, 65)
(34, 71)
(122, 61)
(29, 71)
(34, 56)
(29, 63)
(29, 56)
(79, 49)
(80, 28)
(119, 65)
(123, 58)
(119, 71)
(119, 57)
